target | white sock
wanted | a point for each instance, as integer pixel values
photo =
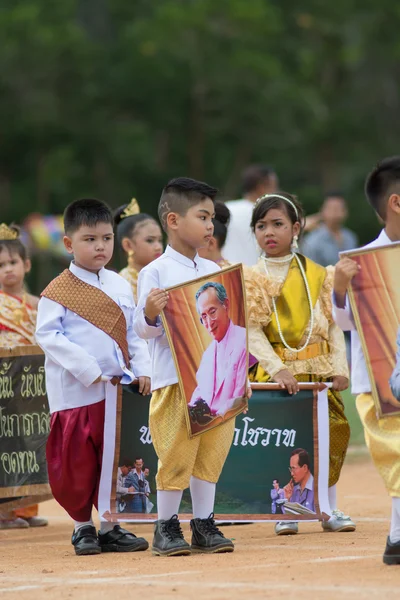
(79, 524)
(203, 497)
(168, 503)
(395, 521)
(106, 526)
(332, 497)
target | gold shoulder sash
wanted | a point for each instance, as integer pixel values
(292, 303)
(91, 304)
(17, 317)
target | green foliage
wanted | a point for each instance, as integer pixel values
(112, 98)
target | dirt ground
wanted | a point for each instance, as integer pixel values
(40, 564)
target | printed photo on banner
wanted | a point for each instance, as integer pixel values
(375, 302)
(277, 468)
(24, 428)
(205, 322)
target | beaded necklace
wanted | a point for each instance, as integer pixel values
(284, 260)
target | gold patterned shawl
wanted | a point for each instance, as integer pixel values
(131, 276)
(17, 321)
(91, 304)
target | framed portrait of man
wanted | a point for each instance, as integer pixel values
(205, 323)
(375, 303)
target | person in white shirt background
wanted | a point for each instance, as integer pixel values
(382, 436)
(241, 245)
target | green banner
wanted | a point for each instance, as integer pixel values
(264, 440)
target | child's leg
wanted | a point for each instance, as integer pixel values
(339, 436)
(395, 522)
(73, 453)
(213, 451)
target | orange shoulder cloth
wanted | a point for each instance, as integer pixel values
(91, 304)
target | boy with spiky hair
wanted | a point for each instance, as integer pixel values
(186, 211)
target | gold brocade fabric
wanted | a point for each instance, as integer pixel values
(17, 322)
(292, 320)
(339, 428)
(382, 437)
(131, 276)
(263, 330)
(180, 457)
(91, 304)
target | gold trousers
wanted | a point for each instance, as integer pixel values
(180, 457)
(382, 437)
(339, 428)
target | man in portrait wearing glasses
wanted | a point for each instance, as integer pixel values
(301, 485)
(299, 489)
(222, 374)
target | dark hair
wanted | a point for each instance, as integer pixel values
(277, 481)
(87, 212)
(15, 246)
(304, 458)
(265, 204)
(381, 182)
(127, 226)
(138, 458)
(126, 462)
(253, 175)
(221, 222)
(180, 194)
(334, 194)
(146, 467)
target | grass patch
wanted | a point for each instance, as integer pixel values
(357, 433)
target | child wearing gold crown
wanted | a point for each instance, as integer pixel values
(291, 329)
(17, 328)
(139, 237)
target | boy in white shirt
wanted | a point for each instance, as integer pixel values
(382, 436)
(85, 328)
(186, 210)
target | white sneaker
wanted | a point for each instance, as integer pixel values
(286, 528)
(17, 523)
(37, 522)
(339, 522)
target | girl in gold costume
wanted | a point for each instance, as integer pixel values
(139, 237)
(214, 249)
(18, 311)
(291, 330)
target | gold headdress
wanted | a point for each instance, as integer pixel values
(133, 208)
(6, 233)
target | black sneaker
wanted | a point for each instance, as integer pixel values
(121, 540)
(85, 541)
(206, 537)
(168, 538)
(392, 553)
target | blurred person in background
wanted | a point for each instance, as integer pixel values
(326, 241)
(139, 237)
(18, 312)
(241, 245)
(213, 250)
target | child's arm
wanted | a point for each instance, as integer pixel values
(152, 300)
(345, 270)
(50, 337)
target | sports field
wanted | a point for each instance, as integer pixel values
(40, 564)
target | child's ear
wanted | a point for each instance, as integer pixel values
(127, 245)
(68, 244)
(28, 265)
(172, 220)
(296, 229)
(394, 203)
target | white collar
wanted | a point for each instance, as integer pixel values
(184, 260)
(85, 274)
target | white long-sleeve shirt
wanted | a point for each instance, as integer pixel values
(241, 245)
(77, 352)
(172, 268)
(360, 383)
